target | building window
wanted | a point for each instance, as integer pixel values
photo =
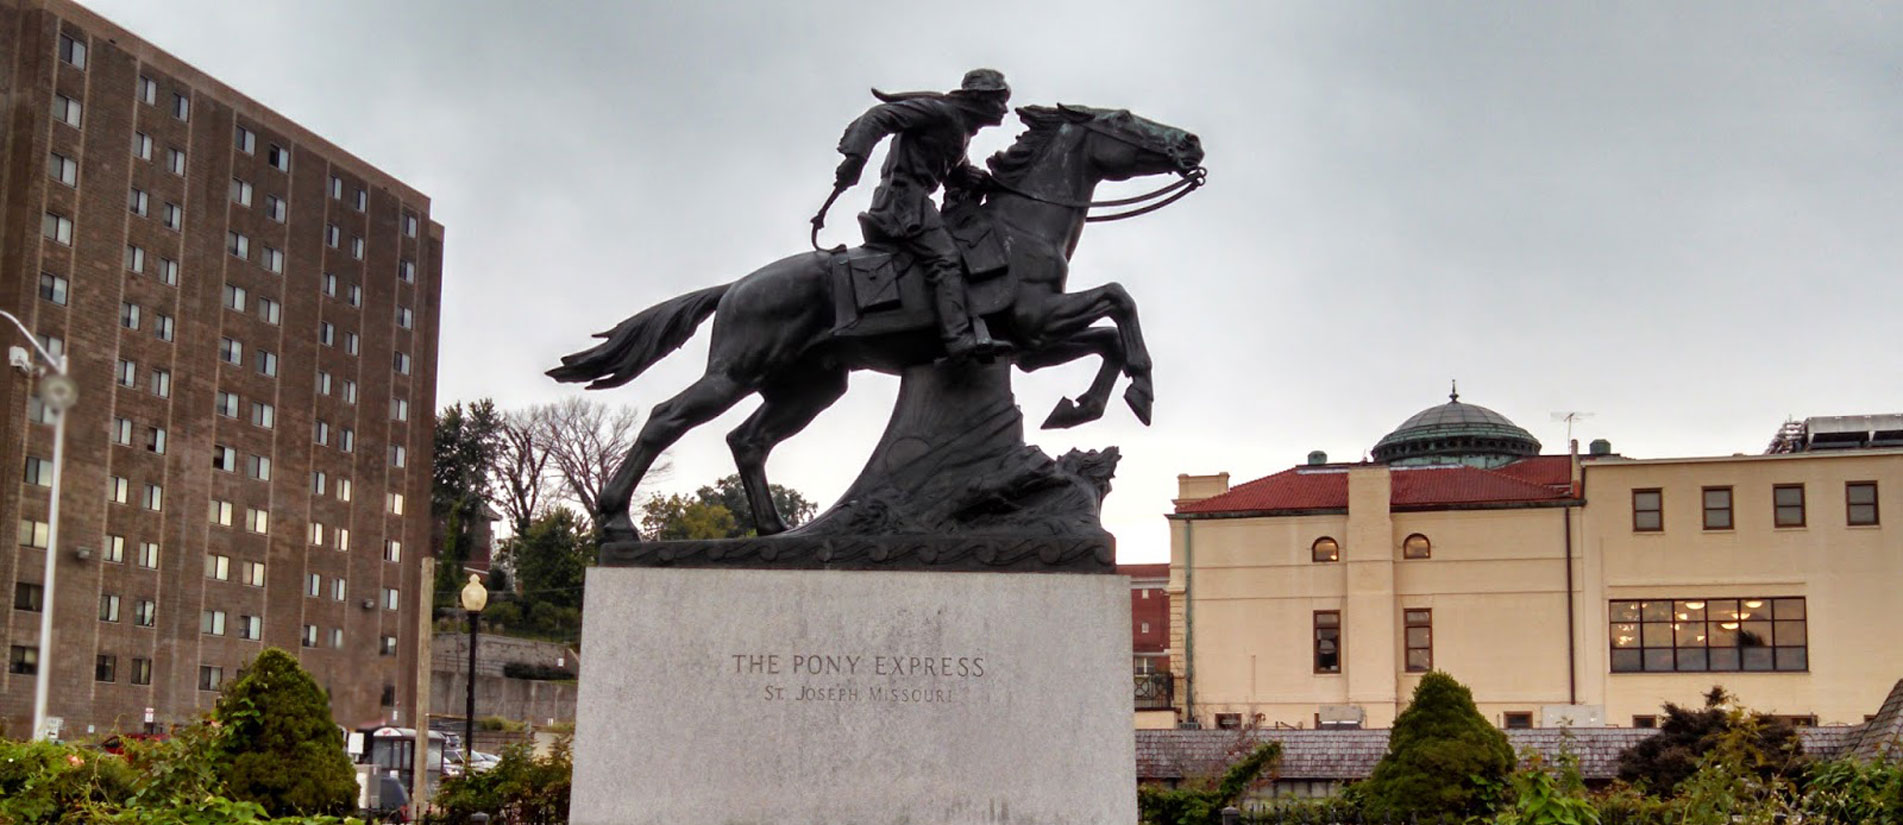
(251, 627)
(313, 584)
(172, 216)
(236, 297)
(73, 52)
(153, 498)
(263, 415)
(272, 260)
(393, 551)
(39, 471)
(404, 317)
(118, 489)
(58, 228)
(212, 622)
(279, 158)
(66, 110)
(361, 201)
(105, 668)
(343, 539)
(1327, 641)
(323, 384)
(62, 168)
(1648, 511)
(162, 379)
(1420, 639)
(23, 660)
(175, 161)
(141, 146)
(32, 533)
(389, 598)
(398, 455)
(240, 192)
(396, 504)
(253, 573)
(338, 589)
(54, 288)
(163, 327)
(1717, 508)
(141, 672)
(332, 237)
(148, 91)
(108, 608)
(1519, 720)
(270, 311)
(401, 363)
(274, 208)
(309, 636)
(1699, 635)
(138, 201)
(149, 555)
(155, 440)
(210, 678)
(122, 431)
(145, 613)
(258, 467)
(387, 646)
(1645, 722)
(168, 272)
(350, 392)
(356, 248)
(230, 351)
(224, 458)
(343, 490)
(135, 258)
(267, 362)
(409, 225)
(406, 271)
(181, 106)
(1325, 549)
(336, 187)
(238, 245)
(346, 437)
(337, 638)
(29, 597)
(1416, 546)
(256, 520)
(116, 549)
(326, 333)
(217, 567)
(399, 409)
(1787, 502)
(354, 295)
(247, 140)
(221, 513)
(320, 433)
(1860, 503)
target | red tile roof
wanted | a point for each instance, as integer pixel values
(1325, 487)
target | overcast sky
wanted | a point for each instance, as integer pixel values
(1686, 219)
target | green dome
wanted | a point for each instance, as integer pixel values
(1456, 433)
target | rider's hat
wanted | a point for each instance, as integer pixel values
(984, 80)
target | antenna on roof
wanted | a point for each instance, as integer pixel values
(1570, 417)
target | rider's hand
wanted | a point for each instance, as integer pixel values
(968, 177)
(849, 169)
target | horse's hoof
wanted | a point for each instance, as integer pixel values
(1065, 414)
(1139, 399)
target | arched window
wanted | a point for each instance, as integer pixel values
(1325, 549)
(1416, 546)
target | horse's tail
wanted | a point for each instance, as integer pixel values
(637, 343)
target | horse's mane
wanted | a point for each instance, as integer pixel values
(1043, 122)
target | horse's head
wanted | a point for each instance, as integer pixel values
(1120, 145)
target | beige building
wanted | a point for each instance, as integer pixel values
(1560, 588)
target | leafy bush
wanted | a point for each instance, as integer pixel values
(1443, 759)
(523, 788)
(1543, 796)
(1661, 763)
(498, 723)
(545, 673)
(162, 783)
(279, 747)
(1200, 803)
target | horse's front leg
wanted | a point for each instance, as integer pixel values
(1066, 314)
(1099, 341)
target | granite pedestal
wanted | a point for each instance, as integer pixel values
(827, 697)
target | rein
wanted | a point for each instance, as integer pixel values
(1190, 182)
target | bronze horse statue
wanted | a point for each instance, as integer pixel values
(775, 330)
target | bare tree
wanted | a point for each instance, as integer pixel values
(525, 480)
(585, 440)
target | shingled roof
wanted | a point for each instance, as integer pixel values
(1170, 755)
(1882, 736)
(1325, 487)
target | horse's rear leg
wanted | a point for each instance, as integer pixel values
(786, 408)
(1099, 341)
(671, 419)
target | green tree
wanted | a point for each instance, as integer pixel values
(678, 518)
(728, 492)
(1664, 761)
(551, 559)
(279, 747)
(1444, 759)
(467, 445)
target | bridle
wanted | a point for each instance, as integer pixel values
(1192, 180)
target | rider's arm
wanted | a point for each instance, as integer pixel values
(884, 119)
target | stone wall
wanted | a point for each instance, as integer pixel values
(524, 700)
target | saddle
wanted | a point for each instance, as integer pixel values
(880, 289)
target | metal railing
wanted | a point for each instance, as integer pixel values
(1154, 691)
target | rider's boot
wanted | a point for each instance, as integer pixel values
(963, 340)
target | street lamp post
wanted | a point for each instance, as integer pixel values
(474, 598)
(57, 393)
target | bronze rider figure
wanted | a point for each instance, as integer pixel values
(930, 135)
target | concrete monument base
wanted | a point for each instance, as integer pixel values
(821, 697)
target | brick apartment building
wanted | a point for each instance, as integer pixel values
(1150, 642)
(251, 315)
